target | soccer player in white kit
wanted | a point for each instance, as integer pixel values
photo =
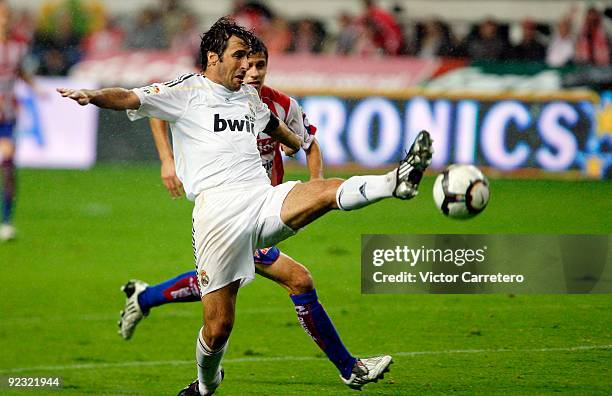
(214, 121)
(270, 262)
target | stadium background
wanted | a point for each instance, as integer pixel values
(92, 211)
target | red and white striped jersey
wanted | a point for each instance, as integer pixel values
(12, 54)
(289, 111)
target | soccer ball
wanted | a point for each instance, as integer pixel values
(461, 191)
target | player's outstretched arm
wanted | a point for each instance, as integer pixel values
(107, 98)
(159, 130)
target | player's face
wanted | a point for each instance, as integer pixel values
(232, 67)
(256, 73)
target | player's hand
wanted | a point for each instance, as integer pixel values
(81, 96)
(170, 180)
(288, 150)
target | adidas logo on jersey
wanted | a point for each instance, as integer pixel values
(222, 124)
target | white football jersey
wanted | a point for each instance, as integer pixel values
(214, 130)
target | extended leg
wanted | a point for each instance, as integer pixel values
(140, 298)
(308, 201)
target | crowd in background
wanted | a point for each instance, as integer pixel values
(66, 31)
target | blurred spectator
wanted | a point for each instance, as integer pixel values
(23, 26)
(366, 44)
(109, 37)
(62, 24)
(402, 21)
(388, 34)
(253, 15)
(175, 16)
(433, 39)
(592, 46)
(345, 42)
(60, 50)
(187, 37)
(529, 49)
(487, 43)
(277, 35)
(560, 51)
(309, 36)
(147, 31)
(83, 15)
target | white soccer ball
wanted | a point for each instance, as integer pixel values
(461, 191)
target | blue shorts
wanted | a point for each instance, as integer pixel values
(6, 129)
(266, 256)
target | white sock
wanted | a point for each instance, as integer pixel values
(208, 362)
(360, 191)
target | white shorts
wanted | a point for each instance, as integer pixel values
(229, 223)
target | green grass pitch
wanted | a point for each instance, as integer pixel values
(83, 234)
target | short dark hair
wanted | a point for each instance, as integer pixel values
(258, 47)
(216, 38)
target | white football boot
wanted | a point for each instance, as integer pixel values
(7, 232)
(411, 168)
(368, 370)
(132, 312)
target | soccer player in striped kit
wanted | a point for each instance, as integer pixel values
(270, 262)
(12, 54)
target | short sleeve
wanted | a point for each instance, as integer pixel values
(298, 123)
(166, 101)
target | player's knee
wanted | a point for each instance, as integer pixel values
(7, 149)
(302, 282)
(326, 191)
(332, 187)
(217, 332)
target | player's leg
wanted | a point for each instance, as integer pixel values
(296, 279)
(291, 206)
(219, 314)
(308, 201)
(140, 298)
(7, 153)
(181, 288)
(284, 270)
(222, 238)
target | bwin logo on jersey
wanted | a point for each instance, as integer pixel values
(222, 124)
